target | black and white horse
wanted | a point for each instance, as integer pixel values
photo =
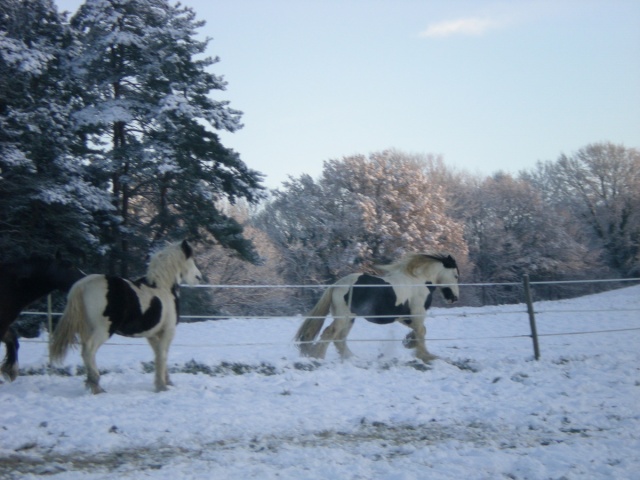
(402, 293)
(22, 282)
(99, 306)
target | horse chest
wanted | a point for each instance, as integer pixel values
(129, 312)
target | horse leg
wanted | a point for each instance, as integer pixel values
(341, 338)
(416, 339)
(337, 333)
(10, 364)
(160, 345)
(328, 335)
(89, 349)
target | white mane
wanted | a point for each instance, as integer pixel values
(413, 264)
(166, 266)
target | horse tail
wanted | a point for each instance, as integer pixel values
(71, 323)
(311, 326)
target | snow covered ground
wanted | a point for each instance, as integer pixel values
(246, 406)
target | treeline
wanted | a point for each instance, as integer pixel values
(574, 218)
(108, 148)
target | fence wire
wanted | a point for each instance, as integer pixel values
(465, 314)
(144, 344)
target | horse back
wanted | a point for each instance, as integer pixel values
(19, 287)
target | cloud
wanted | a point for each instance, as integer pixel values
(462, 26)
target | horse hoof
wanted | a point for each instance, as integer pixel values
(307, 349)
(95, 389)
(10, 374)
(410, 341)
(427, 357)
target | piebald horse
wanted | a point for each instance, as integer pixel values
(100, 305)
(402, 294)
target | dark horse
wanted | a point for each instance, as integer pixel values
(21, 283)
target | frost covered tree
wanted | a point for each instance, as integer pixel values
(149, 120)
(511, 231)
(310, 236)
(45, 203)
(401, 207)
(222, 267)
(361, 211)
(600, 186)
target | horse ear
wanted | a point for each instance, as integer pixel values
(186, 248)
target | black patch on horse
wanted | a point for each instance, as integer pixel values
(375, 303)
(176, 298)
(124, 312)
(429, 299)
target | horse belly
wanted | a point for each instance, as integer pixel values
(384, 313)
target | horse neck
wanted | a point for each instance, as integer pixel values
(166, 279)
(36, 287)
(428, 274)
(401, 278)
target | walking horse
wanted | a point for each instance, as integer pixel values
(22, 282)
(402, 294)
(100, 305)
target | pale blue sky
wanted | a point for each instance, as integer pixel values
(489, 85)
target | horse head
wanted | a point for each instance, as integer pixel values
(435, 268)
(447, 276)
(190, 273)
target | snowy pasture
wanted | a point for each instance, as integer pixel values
(245, 405)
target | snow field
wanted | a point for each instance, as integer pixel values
(245, 405)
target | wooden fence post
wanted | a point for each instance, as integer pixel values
(532, 316)
(50, 322)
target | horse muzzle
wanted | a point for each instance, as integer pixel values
(449, 296)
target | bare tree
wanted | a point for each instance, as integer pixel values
(224, 268)
(511, 231)
(600, 185)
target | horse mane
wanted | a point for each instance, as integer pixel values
(411, 263)
(166, 264)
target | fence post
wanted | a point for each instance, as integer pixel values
(532, 316)
(50, 321)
